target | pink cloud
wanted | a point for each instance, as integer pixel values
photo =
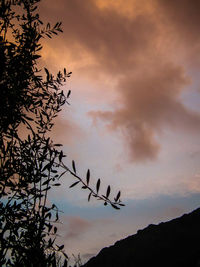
(136, 53)
(76, 226)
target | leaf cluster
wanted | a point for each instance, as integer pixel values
(30, 166)
(27, 165)
(116, 203)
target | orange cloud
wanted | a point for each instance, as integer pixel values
(66, 131)
(135, 51)
(181, 22)
(182, 17)
(148, 104)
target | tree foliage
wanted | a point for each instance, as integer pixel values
(30, 166)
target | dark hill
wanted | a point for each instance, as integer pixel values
(172, 244)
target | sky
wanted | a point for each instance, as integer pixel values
(134, 114)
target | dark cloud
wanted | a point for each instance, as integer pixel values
(132, 51)
(115, 41)
(76, 226)
(150, 103)
(183, 18)
(182, 21)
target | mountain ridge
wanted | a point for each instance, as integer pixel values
(172, 243)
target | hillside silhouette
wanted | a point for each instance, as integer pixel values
(168, 244)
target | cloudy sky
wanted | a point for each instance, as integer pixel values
(134, 114)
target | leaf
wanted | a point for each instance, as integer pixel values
(48, 215)
(58, 184)
(46, 189)
(46, 182)
(73, 166)
(28, 118)
(65, 255)
(60, 156)
(56, 216)
(48, 26)
(50, 227)
(65, 263)
(118, 196)
(48, 35)
(47, 72)
(98, 185)
(53, 206)
(57, 144)
(88, 177)
(36, 57)
(108, 191)
(74, 184)
(46, 167)
(34, 8)
(47, 141)
(68, 94)
(89, 196)
(62, 174)
(115, 207)
(61, 247)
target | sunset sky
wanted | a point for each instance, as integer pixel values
(134, 113)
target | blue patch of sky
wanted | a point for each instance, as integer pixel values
(162, 207)
(191, 96)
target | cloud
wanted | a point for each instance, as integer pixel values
(135, 52)
(79, 233)
(114, 40)
(148, 105)
(66, 131)
(88, 255)
(76, 226)
(182, 22)
(182, 17)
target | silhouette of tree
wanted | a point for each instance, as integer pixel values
(30, 166)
